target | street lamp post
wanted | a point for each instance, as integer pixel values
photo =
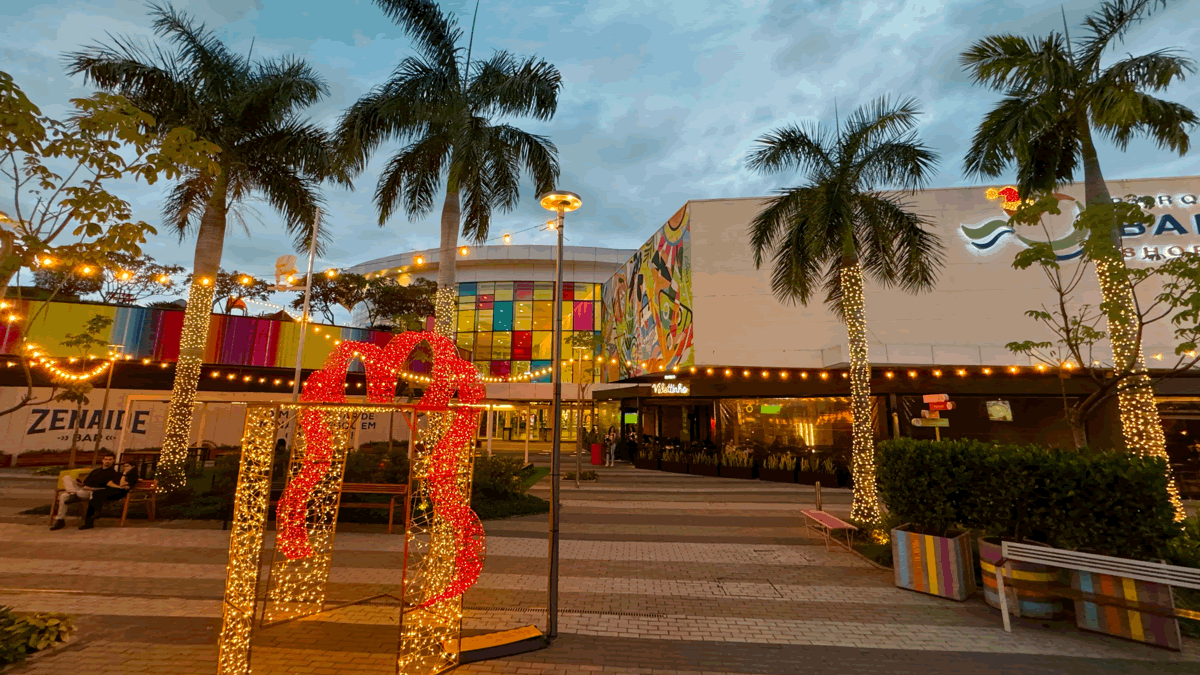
(560, 202)
(312, 251)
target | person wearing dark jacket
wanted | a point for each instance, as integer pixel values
(96, 484)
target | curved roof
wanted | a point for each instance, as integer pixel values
(492, 256)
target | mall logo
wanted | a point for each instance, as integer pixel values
(988, 237)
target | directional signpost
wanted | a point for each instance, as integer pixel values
(938, 403)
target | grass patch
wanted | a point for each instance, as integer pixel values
(524, 505)
(880, 554)
(583, 475)
(535, 475)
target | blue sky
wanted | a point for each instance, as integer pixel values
(661, 103)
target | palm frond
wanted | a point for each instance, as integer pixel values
(1108, 24)
(899, 248)
(1150, 72)
(151, 78)
(201, 49)
(1121, 115)
(995, 145)
(789, 230)
(537, 155)
(435, 32)
(185, 203)
(411, 178)
(505, 86)
(295, 196)
(804, 147)
(280, 88)
(1004, 62)
(902, 162)
(871, 123)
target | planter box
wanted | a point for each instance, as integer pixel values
(941, 566)
(777, 475)
(813, 477)
(1037, 603)
(743, 472)
(1160, 631)
(704, 470)
(673, 467)
(641, 463)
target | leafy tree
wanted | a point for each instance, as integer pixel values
(441, 106)
(57, 176)
(119, 278)
(345, 290)
(1058, 93)
(839, 226)
(1168, 292)
(94, 336)
(390, 305)
(78, 280)
(230, 286)
(250, 109)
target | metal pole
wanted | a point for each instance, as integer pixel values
(490, 413)
(312, 251)
(556, 438)
(579, 419)
(528, 430)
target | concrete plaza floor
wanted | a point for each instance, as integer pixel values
(661, 574)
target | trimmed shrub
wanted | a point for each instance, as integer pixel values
(1112, 503)
(24, 634)
(500, 477)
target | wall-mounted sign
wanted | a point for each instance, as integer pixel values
(935, 398)
(630, 418)
(771, 409)
(670, 389)
(999, 411)
(923, 422)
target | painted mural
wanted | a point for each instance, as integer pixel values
(648, 305)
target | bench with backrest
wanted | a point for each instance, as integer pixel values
(395, 491)
(829, 524)
(1123, 568)
(145, 492)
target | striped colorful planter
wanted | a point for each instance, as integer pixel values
(1160, 631)
(1040, 602)
(939, 566)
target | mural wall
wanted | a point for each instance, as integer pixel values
(648, 305)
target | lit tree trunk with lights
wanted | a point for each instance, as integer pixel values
(862, 460)
(196, 319)
(445, 299)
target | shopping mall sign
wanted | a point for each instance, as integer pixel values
(1174, 231)
(670, 389)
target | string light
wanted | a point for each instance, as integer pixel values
(39, 358)
(865, 506)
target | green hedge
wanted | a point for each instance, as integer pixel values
(1104, 502)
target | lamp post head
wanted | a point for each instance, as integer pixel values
(560, 200)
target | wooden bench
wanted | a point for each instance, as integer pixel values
(828, 524)
(371, 489)
(1137, 570)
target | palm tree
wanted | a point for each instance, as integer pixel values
(839, 227)
(1057, 95)
(440, 105)
(250, 109)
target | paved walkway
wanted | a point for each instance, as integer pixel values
(661, 574)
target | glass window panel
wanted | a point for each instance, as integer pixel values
(543, 315)
(519, 367)
(568, 291)
(504, 290)
(466, 341)
(483, 302)
(543, 290)
(582, 319)
(566, 310)
(501, 345)
(584, 292)
(502, 316)
(523, 290)
(466, 321)
(522, 345)
(501, 368)
(466, 288)
(538, 365)
(482, 366)
(542, 345)
(466, 302)
(522, 315)
(486, 288)
(483, 319)
(483, 346)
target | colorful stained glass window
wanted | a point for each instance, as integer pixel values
(501, 345)
(523, 290)
(543, 290)
(466, 288)
(504, 290)
(567, 315)
(483, 346)
(483, 319)
(486, 288)
(466, 341)
(584, 292)
(522, 345)
(542, 345)
(523, 315)
(500, 368)
(568, 291)
(538, 365)
(466, 321)
(483, 301)
(543, 315)
(519, 367)
(583, 316)
(502, 316)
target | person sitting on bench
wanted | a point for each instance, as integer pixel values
(110, 492)
(102, 478)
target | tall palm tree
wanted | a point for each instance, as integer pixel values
(250, 109)
(440, 105)
(1057, 94)
(839, 226)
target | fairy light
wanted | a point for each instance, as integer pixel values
(38, 357)
(1140, 423)
(865, 506)
(912, 374)
(987, 371)
(889, 374)
(177, 431)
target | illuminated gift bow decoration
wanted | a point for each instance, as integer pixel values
(450, 374)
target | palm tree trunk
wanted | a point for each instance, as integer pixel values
(866, 501)
(196, 318)
(1140, 423)
(447, 292)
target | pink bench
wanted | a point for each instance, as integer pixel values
(828, 524)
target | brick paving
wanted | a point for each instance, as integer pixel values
(661, 574)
